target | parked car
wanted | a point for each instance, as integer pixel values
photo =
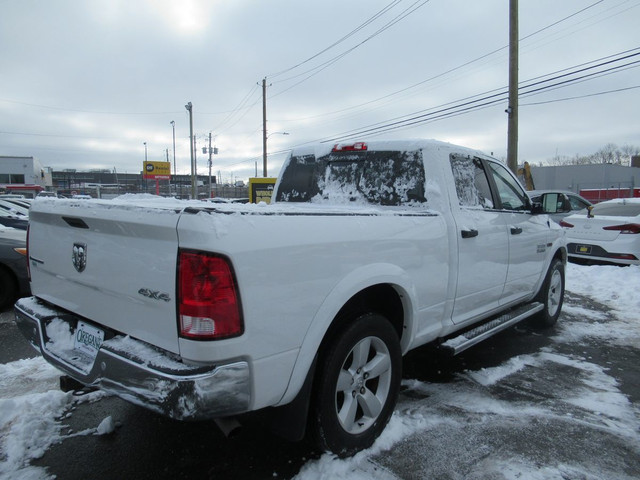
(13, 266)
(13, 209)
(20, 202)
(608, 232)
(7, 219)
(562, 202)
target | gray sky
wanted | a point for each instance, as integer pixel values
(83, 84)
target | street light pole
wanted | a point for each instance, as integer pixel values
(189, 108)
(264, 142)
(264, 127)
(145, 166)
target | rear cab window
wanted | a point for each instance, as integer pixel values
(378, 177)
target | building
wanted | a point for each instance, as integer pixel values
(613, 180)
(23, 174)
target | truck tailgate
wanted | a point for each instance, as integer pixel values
(105, 259)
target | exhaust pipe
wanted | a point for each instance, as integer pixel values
(229, 426)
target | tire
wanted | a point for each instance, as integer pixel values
(551, 295)
(356, 386)
(8, 289)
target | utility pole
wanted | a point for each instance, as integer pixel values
(175, 176)
(189, 108)
(212, 151)
(512, 110)
(264, 127)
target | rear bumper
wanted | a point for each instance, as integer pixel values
(597, 254)
(136, 371)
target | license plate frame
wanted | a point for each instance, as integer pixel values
(87, 340)
(583, 249)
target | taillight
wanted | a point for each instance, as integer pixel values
(626, 228)
(352, 147)
(623, 256)
(209, 304)
(565, 224)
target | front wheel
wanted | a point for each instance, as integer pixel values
(357, 385)
(551, 295)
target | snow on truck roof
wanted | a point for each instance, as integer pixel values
(382, 145)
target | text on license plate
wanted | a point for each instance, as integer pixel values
(88, 339)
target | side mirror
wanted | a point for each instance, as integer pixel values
(536, 208)
(551, 203)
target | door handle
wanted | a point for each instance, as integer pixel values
(516, 230)
(469, 233)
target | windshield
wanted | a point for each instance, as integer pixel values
(617, 209)
(373, 177)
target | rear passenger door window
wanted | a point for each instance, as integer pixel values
(472, 185)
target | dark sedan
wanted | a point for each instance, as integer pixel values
(13, 266)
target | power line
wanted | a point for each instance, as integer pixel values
(485, 99)
(314, 71)
(459, 67)
(581, 96)
(465, 107)
(337, 42)
(237, 109)
(85, 111)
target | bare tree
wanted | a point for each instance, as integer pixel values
(610, 153)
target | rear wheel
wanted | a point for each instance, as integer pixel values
(357, 385)
(551, 295)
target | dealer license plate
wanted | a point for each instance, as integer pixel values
(88, 340)
(583, 249)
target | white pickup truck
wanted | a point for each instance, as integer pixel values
(302, 308)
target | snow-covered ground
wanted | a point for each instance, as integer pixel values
(463, 429)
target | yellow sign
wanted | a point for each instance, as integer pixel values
(157, 170)
(261, 189)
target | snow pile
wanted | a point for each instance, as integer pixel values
(31, 409)
(30, 405)
(106, 426)
(613, 286)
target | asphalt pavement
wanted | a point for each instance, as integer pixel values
(540, 418)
